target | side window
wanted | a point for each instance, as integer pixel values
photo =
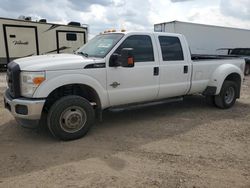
(171, 48)
(142, 45)
(71, 37)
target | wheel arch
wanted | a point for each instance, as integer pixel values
(225, 72)
(78, 84)
(82, 90)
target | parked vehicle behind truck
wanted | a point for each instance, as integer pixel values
(22, 38)
(207, 39)
(114, 69)
(239, 52)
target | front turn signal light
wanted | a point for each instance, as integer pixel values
(38, 80)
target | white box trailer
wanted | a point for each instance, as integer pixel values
(22, 38)
(207, 39)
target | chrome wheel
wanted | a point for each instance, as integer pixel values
(73, 119)
(229, 95)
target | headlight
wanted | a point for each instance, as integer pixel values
(30, 82)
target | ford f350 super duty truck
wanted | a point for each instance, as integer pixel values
(111, 70)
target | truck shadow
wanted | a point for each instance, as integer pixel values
(24, 151)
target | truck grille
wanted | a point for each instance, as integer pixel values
(13, 79)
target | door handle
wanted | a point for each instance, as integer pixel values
(185, 70)
(115, 84)
(156, 71)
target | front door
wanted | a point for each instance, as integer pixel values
(139, 83)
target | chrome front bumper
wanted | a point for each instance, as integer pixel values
(23, 108)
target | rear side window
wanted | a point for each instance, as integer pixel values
(142, 45)
(71, 37)
(171, 48)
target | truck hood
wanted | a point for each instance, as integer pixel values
(55, 62)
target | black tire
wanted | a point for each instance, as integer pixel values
(247, 69)
(227, 96)
(70, 117)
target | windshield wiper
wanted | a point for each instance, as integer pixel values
(84, 54)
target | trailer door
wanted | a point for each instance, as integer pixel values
(20, 41)
(69, 41)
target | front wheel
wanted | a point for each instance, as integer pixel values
(227, 96)
(70, 117)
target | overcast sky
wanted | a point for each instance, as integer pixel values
(131, 15)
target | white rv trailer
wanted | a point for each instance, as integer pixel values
(207, 39)
(22, 38)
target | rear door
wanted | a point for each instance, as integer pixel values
(20, 41)
(139, 83)
(69, 41)
(175, 69)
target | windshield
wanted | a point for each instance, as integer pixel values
(100, 45)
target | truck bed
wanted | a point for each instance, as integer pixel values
(204, 57)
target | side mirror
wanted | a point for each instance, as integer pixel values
(113, 61)
(127, 58)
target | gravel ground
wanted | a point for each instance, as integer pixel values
(182, 144)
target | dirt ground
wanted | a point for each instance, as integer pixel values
(182, 144)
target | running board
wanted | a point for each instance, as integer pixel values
(144, 104)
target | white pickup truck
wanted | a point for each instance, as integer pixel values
(111, 70)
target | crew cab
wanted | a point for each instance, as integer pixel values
(111, 70)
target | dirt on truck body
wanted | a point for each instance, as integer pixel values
(180, 144)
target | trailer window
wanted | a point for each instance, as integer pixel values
(71, 36)
(142, 45)
(171, 48)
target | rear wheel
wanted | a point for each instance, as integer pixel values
(227, 96)
(70, 117)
